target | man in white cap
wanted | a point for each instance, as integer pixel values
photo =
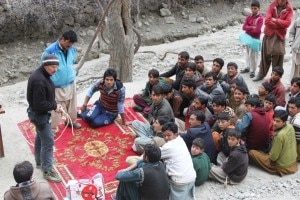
(41, 99)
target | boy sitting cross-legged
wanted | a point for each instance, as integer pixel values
(234, 168)
(143, 101)
(263, 90)
(238, 101)
(201, 161)
(281, 160)
(200, 129)
(254, 126)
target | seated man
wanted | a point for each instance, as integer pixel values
(278, 89)
(211, 88)
(264, 89)
(254, 125)
(201, 70)
(269, 105)
(217, 66)
(110, 103)
(143, 101)
(220, 134)
(27, 188)
(179, 164)
(295, 87)
(190, 72)
(160, 107)
(294, 112)
(201, 161)
(234, 168)
(178, 69)
(232, 74)
(218, 106)
(200, 129)
(199, 103)
(237, 103)
(146, 179)
(281, 160)
(149, 133)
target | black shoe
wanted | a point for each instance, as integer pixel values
(252, 74)
(258, 78)
(137, 108)
(243, 71)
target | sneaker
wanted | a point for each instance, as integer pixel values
(243, 71)
(137, 108)
(76, 125)
(52, 176)
(113, 196)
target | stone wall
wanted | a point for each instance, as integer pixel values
(39, 19)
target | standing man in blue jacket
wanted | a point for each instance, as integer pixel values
(64, 78)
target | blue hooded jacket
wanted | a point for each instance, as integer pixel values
(65, 75)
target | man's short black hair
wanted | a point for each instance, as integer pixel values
(202, 99)
(268, 86)
(191, 66)
(152, 152)
(253, 101)
(220, 61)
(219, 101)
(242, 89)
(163, 119)
(296, 80)
(211, 74)
(295, 100)
(199, 115)
(223, 116)
(232, 64)
(255, 3)
(271, 97)
(23, 171)
(184, 54)
(170, 126)
(279, 70)
(281, 114)
(166, 88)
(70, 35)
(198, 57)
(199, 142)
(189, 82)
(234, 133)
(154, 73)
(110, 72)
(156, 89)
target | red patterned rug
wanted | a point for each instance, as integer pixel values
(89, 151)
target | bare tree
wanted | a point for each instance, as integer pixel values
(121, 37)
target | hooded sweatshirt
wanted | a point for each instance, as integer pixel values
(236, 167)
(32, 191)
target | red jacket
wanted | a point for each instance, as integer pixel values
(283, 20)
(253, 24)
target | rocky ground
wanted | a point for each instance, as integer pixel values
(223, 42)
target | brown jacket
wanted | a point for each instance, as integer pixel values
(38, 191)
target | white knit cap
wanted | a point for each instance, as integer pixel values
(50, 60)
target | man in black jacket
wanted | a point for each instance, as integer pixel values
(41, 99)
